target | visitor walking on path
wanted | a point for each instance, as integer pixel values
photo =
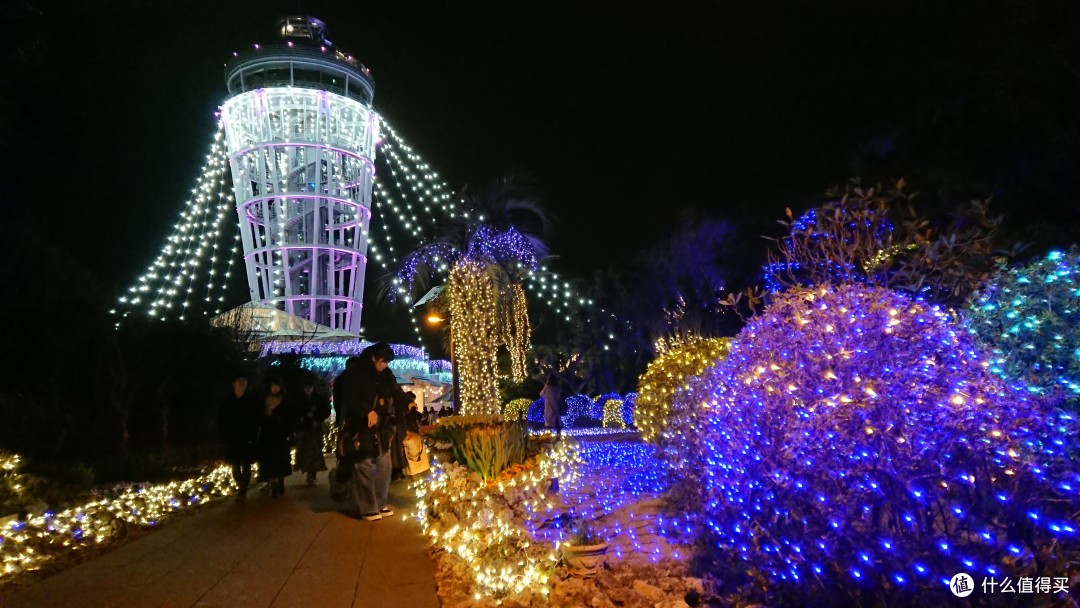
(312, 410)
(272, 445)
(238, 420)
(367, 392)
(552, 406)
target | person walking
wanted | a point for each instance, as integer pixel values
(238, 419)
(367, 392)
(312, 410)
(552, 406)
(272, 445)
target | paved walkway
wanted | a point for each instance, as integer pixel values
(299, 550)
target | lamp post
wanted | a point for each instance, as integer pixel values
(435, 320)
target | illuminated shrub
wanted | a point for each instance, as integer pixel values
(613, 414)
(856, 442)
(628, 405)
(536, 411)
(577, 406)
(596, 408)
(1030, 318)
(518, 408)
(665, 375)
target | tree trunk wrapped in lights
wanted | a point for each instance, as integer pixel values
(473, 310)
(516, 331)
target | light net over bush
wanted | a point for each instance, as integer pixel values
(613, 414)
(1030, 317)
(516, 409)
(665, 375)
(856, 441)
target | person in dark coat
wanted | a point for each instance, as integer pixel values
(414, 419)
(312, 410)
(365, 394)
(238, 419)
(272, 445)
(552, 406)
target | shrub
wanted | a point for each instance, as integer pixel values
(628, 405)
(856, 441)
(613, 414)
(665, 375)
(536, 411)
(486, 444)
(1030, 318)
(517, 409)
(596, 408)
(577, 406)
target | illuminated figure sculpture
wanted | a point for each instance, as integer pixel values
(301, 135)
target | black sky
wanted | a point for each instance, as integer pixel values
(626, 112)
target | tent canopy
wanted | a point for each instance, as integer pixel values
(263, 321)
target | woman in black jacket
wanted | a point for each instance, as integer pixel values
(272, 444)
(367, 392)
(312, 410)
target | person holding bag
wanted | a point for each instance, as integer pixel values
(366, 392)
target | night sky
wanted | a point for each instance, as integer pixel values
(627, 113)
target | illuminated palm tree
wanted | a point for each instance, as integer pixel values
(484, 255)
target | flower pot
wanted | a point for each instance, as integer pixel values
(584, 560)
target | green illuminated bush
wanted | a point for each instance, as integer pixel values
(1030, 318)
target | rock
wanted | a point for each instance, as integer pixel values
(648, 591)
(694, 584)
(671, 604)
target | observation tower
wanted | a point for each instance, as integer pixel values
(301, 134)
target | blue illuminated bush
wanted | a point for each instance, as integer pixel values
(536, 412)
(854, 442)
(596, 408)
(1030, 318)
(577, 406)
(628, 405)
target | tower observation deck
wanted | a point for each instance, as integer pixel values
(301, 134)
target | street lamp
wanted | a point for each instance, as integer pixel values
(436, 320)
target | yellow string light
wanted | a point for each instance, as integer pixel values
(28, 544)
(475, 337)
(665, 375)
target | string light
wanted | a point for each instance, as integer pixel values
(613, 415)
(854, 435)
(668, 373)
(516, 332)
(1030, 318)
(516, 409)
(167, 284)
(472, 320)
(27, 544)
(479, 523)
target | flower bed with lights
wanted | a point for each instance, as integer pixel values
(482, 526)
(1030, 318)
(31, 543)
(857, 442)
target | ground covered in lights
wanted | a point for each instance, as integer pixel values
(620, 489)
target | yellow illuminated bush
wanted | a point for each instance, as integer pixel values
(516, 409)
(666, 374)
(613, 414)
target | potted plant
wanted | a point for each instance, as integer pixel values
(585, 551)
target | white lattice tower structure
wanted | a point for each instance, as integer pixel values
(301, 135)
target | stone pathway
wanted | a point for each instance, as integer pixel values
(300, 550)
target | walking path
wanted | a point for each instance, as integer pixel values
(299, 550)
